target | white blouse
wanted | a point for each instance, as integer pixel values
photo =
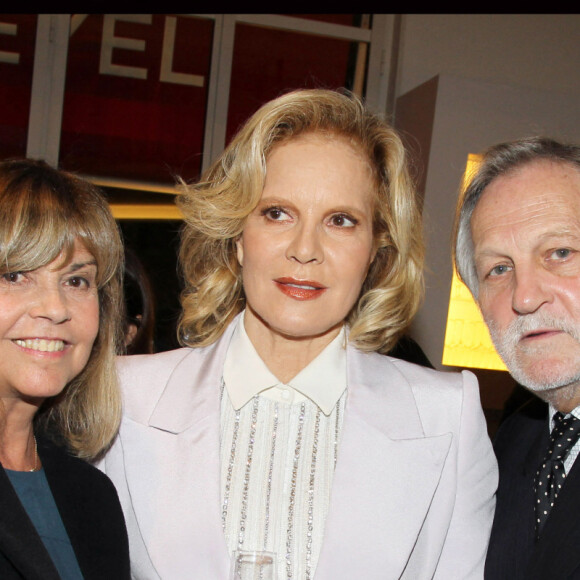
(278, 448)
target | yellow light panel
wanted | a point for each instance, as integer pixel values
(167, 211)
(467, 341)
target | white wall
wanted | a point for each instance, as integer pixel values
(539, 51)
(501, 77)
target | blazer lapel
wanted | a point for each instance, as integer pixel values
(19, 541)
(384, 455)
(184, 474)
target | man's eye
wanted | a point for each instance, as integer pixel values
(499, 270)
(561, 253)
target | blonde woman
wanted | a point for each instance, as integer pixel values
(60, 291)
(279, 428)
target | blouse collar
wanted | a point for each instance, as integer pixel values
(323, 380)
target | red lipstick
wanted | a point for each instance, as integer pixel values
(300, 289)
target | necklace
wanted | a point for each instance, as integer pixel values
(35, 467)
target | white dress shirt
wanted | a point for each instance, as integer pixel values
(575, 451)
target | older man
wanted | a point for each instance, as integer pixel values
(517, 247)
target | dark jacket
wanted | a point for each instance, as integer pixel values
(513, 553)
(91, 513)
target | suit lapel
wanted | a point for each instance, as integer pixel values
(536, 452)
(385, 455)
(519, 445)
(19, 541)
(556, 554)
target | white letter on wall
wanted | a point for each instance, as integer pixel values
(9, 57)
(111, 41)
(167, 74)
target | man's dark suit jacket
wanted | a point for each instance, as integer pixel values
(91, 513)
(513, 554)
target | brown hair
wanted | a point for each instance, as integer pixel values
(44, 211)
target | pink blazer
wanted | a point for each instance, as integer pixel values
(413, 491)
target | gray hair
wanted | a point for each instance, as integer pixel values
(497, 161)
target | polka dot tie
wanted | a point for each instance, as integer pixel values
(551, 475)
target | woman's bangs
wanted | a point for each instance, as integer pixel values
(34, 243)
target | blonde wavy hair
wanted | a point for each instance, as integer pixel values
(44, 211)
(215, 210)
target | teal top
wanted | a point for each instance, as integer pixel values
(35, 495)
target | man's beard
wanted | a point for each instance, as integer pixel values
(558, 384)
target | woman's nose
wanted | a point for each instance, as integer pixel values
(306, 244)
(50, 303)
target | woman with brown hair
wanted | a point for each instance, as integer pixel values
(60, 306)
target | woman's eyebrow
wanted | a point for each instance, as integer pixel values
(79, 265)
